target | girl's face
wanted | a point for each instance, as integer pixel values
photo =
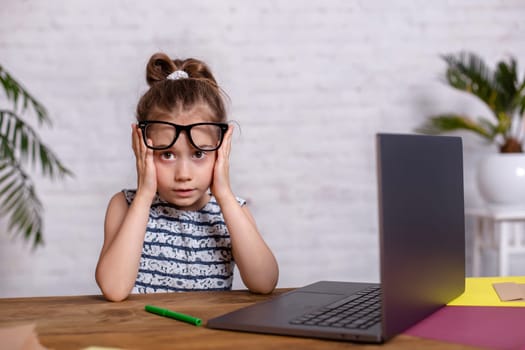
(184, 173)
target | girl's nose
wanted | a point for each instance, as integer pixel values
(183, 169)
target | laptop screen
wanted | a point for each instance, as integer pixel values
(422, 226)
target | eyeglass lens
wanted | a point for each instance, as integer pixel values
(204, 137)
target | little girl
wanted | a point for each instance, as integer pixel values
(183, 227)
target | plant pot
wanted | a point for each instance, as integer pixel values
(501, 179)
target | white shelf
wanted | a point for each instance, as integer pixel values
(501, 229)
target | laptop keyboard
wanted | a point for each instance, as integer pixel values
(358, 311)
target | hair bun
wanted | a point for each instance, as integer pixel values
(196, 69)
(161, 65)
(179, 84)
(158, 68)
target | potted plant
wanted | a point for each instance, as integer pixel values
(20, 146)
(503, 92)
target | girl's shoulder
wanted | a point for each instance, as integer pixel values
(129, 195)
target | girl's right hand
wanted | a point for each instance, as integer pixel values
(146, 173)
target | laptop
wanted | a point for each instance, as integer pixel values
(422, 254)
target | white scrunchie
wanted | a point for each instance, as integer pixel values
(178, 74)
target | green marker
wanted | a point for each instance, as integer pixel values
(172, 314)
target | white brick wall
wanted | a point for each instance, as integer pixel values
(310, 83)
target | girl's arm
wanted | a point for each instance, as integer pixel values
(257, 264)
(125, 227)
(124, 230)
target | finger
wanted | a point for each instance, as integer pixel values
(229, 132)
(148, 152)
(133, 138)
(135, 143)
(137, 140)
(142, 145)
(141, 152)
(227, 140)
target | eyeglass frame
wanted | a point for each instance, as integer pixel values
(178, 129)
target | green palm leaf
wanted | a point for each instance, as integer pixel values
(16, 93)
(19, 138)
(500, 89)
(468, 72)
(520, 98)
(20, 145)
(20, 203)
(451, 122)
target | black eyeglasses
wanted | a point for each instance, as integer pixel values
(159, 135)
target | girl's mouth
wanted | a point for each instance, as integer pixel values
(184, 192)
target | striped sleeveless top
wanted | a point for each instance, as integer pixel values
(184, 250)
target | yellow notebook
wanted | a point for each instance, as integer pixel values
(480, 292)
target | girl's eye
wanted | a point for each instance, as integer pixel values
(199, 154)
(167, 155)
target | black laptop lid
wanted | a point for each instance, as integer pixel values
(422, 226)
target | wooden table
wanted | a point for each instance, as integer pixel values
(76, 322)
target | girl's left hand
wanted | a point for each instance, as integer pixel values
(220, 185)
